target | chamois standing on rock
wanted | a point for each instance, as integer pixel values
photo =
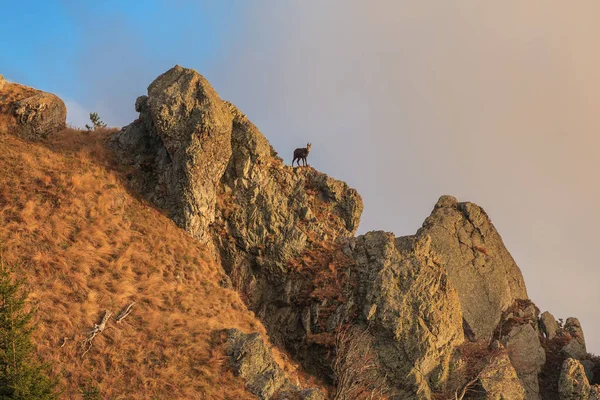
(301, 154)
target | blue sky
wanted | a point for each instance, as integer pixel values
(90, 52)
(492, 102)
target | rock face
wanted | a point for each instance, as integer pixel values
(481, 269)
(181, 144)
(573, 383)
(253, 361)
(527, 356)
(413, 308)
(194, 150)
(499, 380)
(30, 113)
(576, 347)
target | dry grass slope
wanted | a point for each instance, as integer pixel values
(86, 245)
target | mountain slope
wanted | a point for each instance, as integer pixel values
(86, 245)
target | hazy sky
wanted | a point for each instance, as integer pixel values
(492, 102)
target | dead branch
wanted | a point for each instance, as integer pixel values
(125, 312)
(356, 366)
(98, 328)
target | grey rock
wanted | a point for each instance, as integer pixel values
(527, 357)
(499, 380)
(549, 325)
(576, 347)
(253, 361)
(480, 267)
(181, 146)
(573, 383)
(413, 307)
(31, 113)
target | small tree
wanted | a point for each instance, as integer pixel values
(96, 122)
(21, 377)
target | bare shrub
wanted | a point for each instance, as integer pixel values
(355, 366)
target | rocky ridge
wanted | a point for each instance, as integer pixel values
(285, 237)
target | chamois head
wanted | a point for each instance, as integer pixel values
(308, 146)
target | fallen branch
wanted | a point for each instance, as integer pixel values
(98, 328)
(125, 312)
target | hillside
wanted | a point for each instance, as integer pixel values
(85, 245)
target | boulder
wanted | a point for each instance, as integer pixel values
(573, 383)
(30, 113)
(527, 357)
(549, 325)
(499, 380)
(485, 276)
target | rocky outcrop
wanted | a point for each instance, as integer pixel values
(479, 266)
(575, 348)
(200, 159)
(285, 237)
(573, 383)
(253, 361)
(499, 381)
(181, 146)
(30, 113)
(549, 325)
(413, 309)
(527, 356)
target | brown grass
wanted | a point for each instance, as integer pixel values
(86, 245)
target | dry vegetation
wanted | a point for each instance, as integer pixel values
(472, 358)
(86, 245)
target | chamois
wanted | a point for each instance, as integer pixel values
(301, 154)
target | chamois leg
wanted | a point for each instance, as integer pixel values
(293, 162)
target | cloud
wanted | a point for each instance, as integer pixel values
(77, 115)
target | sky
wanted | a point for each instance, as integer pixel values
(491, 102)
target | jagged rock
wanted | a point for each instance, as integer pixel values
(479, 266)
(30, 113)
(499, 380)
(527, 357)
(573, 383)
(576, 347)
(549, 325)
(181, 146)
(413, 308)
(253, 361)
(276, 206)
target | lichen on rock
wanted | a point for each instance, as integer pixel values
(479, 266)
(30, 113)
